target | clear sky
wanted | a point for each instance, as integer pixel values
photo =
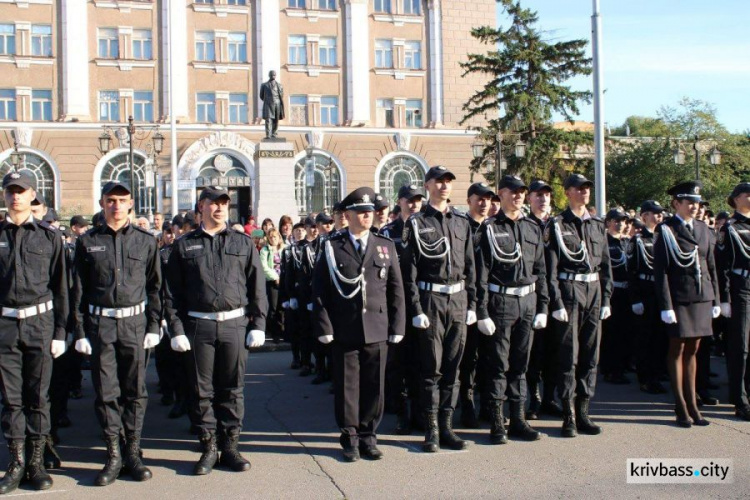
(655, 52)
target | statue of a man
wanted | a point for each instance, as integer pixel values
(272, 95)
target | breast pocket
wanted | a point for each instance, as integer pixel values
(136, 262)
(235, 259)
(530, 244)
(37, 260)
(459, 243)
(101, 272)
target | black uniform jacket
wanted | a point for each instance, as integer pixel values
(730, 255)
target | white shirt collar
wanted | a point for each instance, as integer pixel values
(687, 224)
(363, 239)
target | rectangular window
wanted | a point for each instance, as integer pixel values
(237, 108)
(142, 44)
(413, 55)
(7, 39)
(109, 43)
(329, 110)
(327, 51)
(7, 104)
(236, 2)
(383, 54)
(205, 46)
(41, 40)
(206, 107)
(204, 1)
(383, 6)
(41, 105)
(298, 110)
(412, 7)
(327, 5)
(384, 112)
(143, 106)
(109, 106)
(414, 113)
(297, 49)
(237, 47)
(296, 4)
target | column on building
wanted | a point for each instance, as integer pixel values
(75, 59)
(174, 34)
(268, 45)
(435, 27)
(357, 66)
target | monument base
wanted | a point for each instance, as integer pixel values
(275, 180)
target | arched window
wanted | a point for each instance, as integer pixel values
(327, 188)
(399, 171)
(41, 170)
(118, 168)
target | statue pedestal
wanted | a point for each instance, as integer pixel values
(275, 181)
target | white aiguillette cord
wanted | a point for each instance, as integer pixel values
(423, 247)
(645, 256)
(337, 278)
(580, 255)
(741, 245)
(680, 258)
(497, 252)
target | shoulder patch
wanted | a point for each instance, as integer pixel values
(46, 225)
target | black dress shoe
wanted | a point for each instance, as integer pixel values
(551, 407)
(76, 394)
(370, 452)
(682, 419)
(305, 371)
(294, 365)
(351, 453)
(709, 400)
(743, 412)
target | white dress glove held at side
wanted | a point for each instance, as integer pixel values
(421, 322)
(83, 346)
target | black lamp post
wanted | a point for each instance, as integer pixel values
(714, 157)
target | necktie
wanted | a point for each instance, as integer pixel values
(360, 249)
(689, 228)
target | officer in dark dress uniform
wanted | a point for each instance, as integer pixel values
(33, 322)
(439, 280)
(733, 259)
(216, 306)
(359, 306)
(580, 287)
(511, 299)
(288, 258)
(117, 309)
(322, 352)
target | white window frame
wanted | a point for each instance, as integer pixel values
(41, 42)
(327, 51)
(205, 45)
(8, 39)
(237, 47)
(8, 107)
(144, 39)
(139, 102)
(413, 113)
(327, 4)
(329, 110)
(43, 104)
(113, 106)
(382, 6)
(111, 38)
(204, 107)
(413, 7)
(297, 53)
(383, 53)
(238, 108)
(413, 54)
(382, 107)
(297, 4)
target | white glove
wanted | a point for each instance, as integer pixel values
(715, 312)
(605, 313)
(180, 343)
(310, 306)
(561, 315)
(637, 309)
(471, 317)
(669, 317)
(58, 348)
(540, 321)
(421, 321)
(726, 309)
(83, 346)
(486, 326)
(325, 339)
(285, 304)
(255, 338)
(293, 304)
(151, 340)
(395, 339)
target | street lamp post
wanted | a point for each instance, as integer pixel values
(497, 162)
(329, 169)
(309, 177)
(16, 158)
(714, 156)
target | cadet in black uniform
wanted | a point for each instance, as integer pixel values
(687, 292)
(117, 309)
(380, 216)
(733, 259)
(322, 352)
(34, 300)
(580, 286)
(439, 280)
(216, 305)
(359, 305)
(511, 299)
(298, 289)
(288, 257)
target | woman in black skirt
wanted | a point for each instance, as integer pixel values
(687, 292)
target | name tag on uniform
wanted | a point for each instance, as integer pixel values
(743, 231)
(567, 233)
(3, 244)
(193, 247)
(96, 249)
(427, 230)
(502, 235)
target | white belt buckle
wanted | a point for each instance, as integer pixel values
(22, 314)
(118, 313)
(220, 316)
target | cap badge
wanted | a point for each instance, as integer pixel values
(412, 186)
(378, 198)
(15, 175)
(441, 167)
(483, 184)
(366, 198)
(516, 178)
(696, 190)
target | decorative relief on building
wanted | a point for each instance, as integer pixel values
(275, 154)
(216, 140)
(23, 136)
(315, 139)
(403, 140)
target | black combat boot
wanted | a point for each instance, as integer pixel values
(569, 422)
(583, 422)
(432, 433)
(51, 457)
(112, 468)
(36, 474)
(209, 456)
(448, 438)
(16, 467)
(518, 427)
(468, 411)
(535, 401)
(403, 422)
(132, 463)
(498, 435)
(230, 455)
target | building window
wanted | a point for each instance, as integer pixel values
(383, 54)
(296, 4)
(384, 112)
(327, 51)
(8, 104)
(7, 39)
(41, 40)
(329, 110)
(118, 169)
(298, 110)
(383, 6)
(236, 2)
(204, 1)
(399, 171)
(413, 55)
(297, 49)
(206, 107)
(109, 106)
(327, 188)
(41, 105)
(237, 47)
(40, 170)
(412, 7)
(205, 46)
(413, 112)
(237, 108)
(142, 44)
(109, 43)
(143, 106)
(327, 5)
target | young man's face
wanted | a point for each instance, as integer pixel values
(439, 189)
(117, 205)
(18, 199)
(579, 195)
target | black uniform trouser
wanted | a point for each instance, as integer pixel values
(543, 361)
(170, 366)
(25, 372)
(358, 381)
(273, 316)
(322, 358)
(652, 342)
(216, 370)
(118, 372)
(616, 334)
(402, 369)
(291, 333)
(510, 346)
(302, 318)
(61, 384)
(579, 338)
(441, 346)
(738, 346)
(469, 363)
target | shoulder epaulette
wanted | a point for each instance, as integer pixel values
(144, 231)
(47, 226)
